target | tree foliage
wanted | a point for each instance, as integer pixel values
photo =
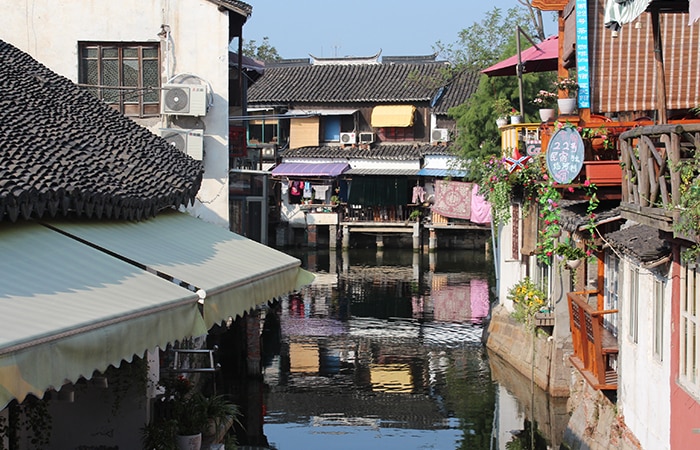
(480, 46)
(263, 52)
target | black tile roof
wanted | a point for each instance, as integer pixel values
(574, 213)
(237, 6)
(347, 83)
(457, 91)
(63, 151)
(639, 242)
(385, 152)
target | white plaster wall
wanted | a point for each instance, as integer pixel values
(510, 270)
(49, 31)
(644, 382)
(393, 165)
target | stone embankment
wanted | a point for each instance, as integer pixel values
(594, 423)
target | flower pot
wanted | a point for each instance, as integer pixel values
(546, 114)
(603, 172)
(189, 442)
(516, 119)
(501, 122)
(573, 263)
(566, 105)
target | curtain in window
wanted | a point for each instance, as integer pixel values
(378, 191)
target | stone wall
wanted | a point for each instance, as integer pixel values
(595, 423)
(513, 342)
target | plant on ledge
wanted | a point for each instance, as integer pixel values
(568, 86)
(527, 300)
(545, 99)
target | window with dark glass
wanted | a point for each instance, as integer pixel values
(126, 76)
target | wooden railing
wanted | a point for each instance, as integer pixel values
(651, 185)
(359, 213)
(595, 348)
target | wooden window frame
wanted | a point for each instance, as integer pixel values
(131, 99)
(689, 348)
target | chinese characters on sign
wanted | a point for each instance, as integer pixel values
(584, 91)
(565, 155)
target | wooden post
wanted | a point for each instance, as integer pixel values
(659, 67)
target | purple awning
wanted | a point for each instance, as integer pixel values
(310, 169)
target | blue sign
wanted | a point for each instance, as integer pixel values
(565, 154)
(582, 67)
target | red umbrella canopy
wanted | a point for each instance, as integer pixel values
(540, 58)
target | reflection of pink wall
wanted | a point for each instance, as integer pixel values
(480, 298)
(461, 303)
(451, 304)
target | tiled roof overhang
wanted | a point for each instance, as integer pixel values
(63, 151)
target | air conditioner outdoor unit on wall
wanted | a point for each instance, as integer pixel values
(184, 100)
(348, 138)
(440, 135)
(187, 141)
(366, 138)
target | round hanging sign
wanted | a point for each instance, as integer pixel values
(565, 155)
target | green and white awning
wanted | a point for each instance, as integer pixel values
(78, 296)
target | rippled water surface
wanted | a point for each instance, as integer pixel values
(384, 350)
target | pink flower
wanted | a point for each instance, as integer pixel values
(587, 182)
(571, 189)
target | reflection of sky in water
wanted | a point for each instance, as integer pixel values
(303, 437)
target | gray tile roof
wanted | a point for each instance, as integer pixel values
(639, 242)
(63, 151)
(574, 214)
(372, 83)
(386, 152)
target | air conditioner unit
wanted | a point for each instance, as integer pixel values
(187, 141)
(440, 135)
(184, 100)
(366, 138)
(348, 138)
(268, 153)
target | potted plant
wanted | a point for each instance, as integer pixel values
(545, 101)
(528, 299)
(569, 87)
(221, 414)
(515, 116)
(502, 107)
(569, 252)
(187, 409)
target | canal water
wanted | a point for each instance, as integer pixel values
(384, 350)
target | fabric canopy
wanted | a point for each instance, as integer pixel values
(453, 173)
(235, 272)
(68, 309)
(310, 169)
(618, 13)
(78, 296)
(393, 116)
(542, 58)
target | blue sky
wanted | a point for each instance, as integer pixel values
(329, 28)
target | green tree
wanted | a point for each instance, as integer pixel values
(263, 52)
(482, 45)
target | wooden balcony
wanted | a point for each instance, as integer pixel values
(651, 187)
(595, 348)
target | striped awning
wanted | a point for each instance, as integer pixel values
(310, 169)
(78, 296)
(393, 116)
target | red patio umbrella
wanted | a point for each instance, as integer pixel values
(542, 57)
